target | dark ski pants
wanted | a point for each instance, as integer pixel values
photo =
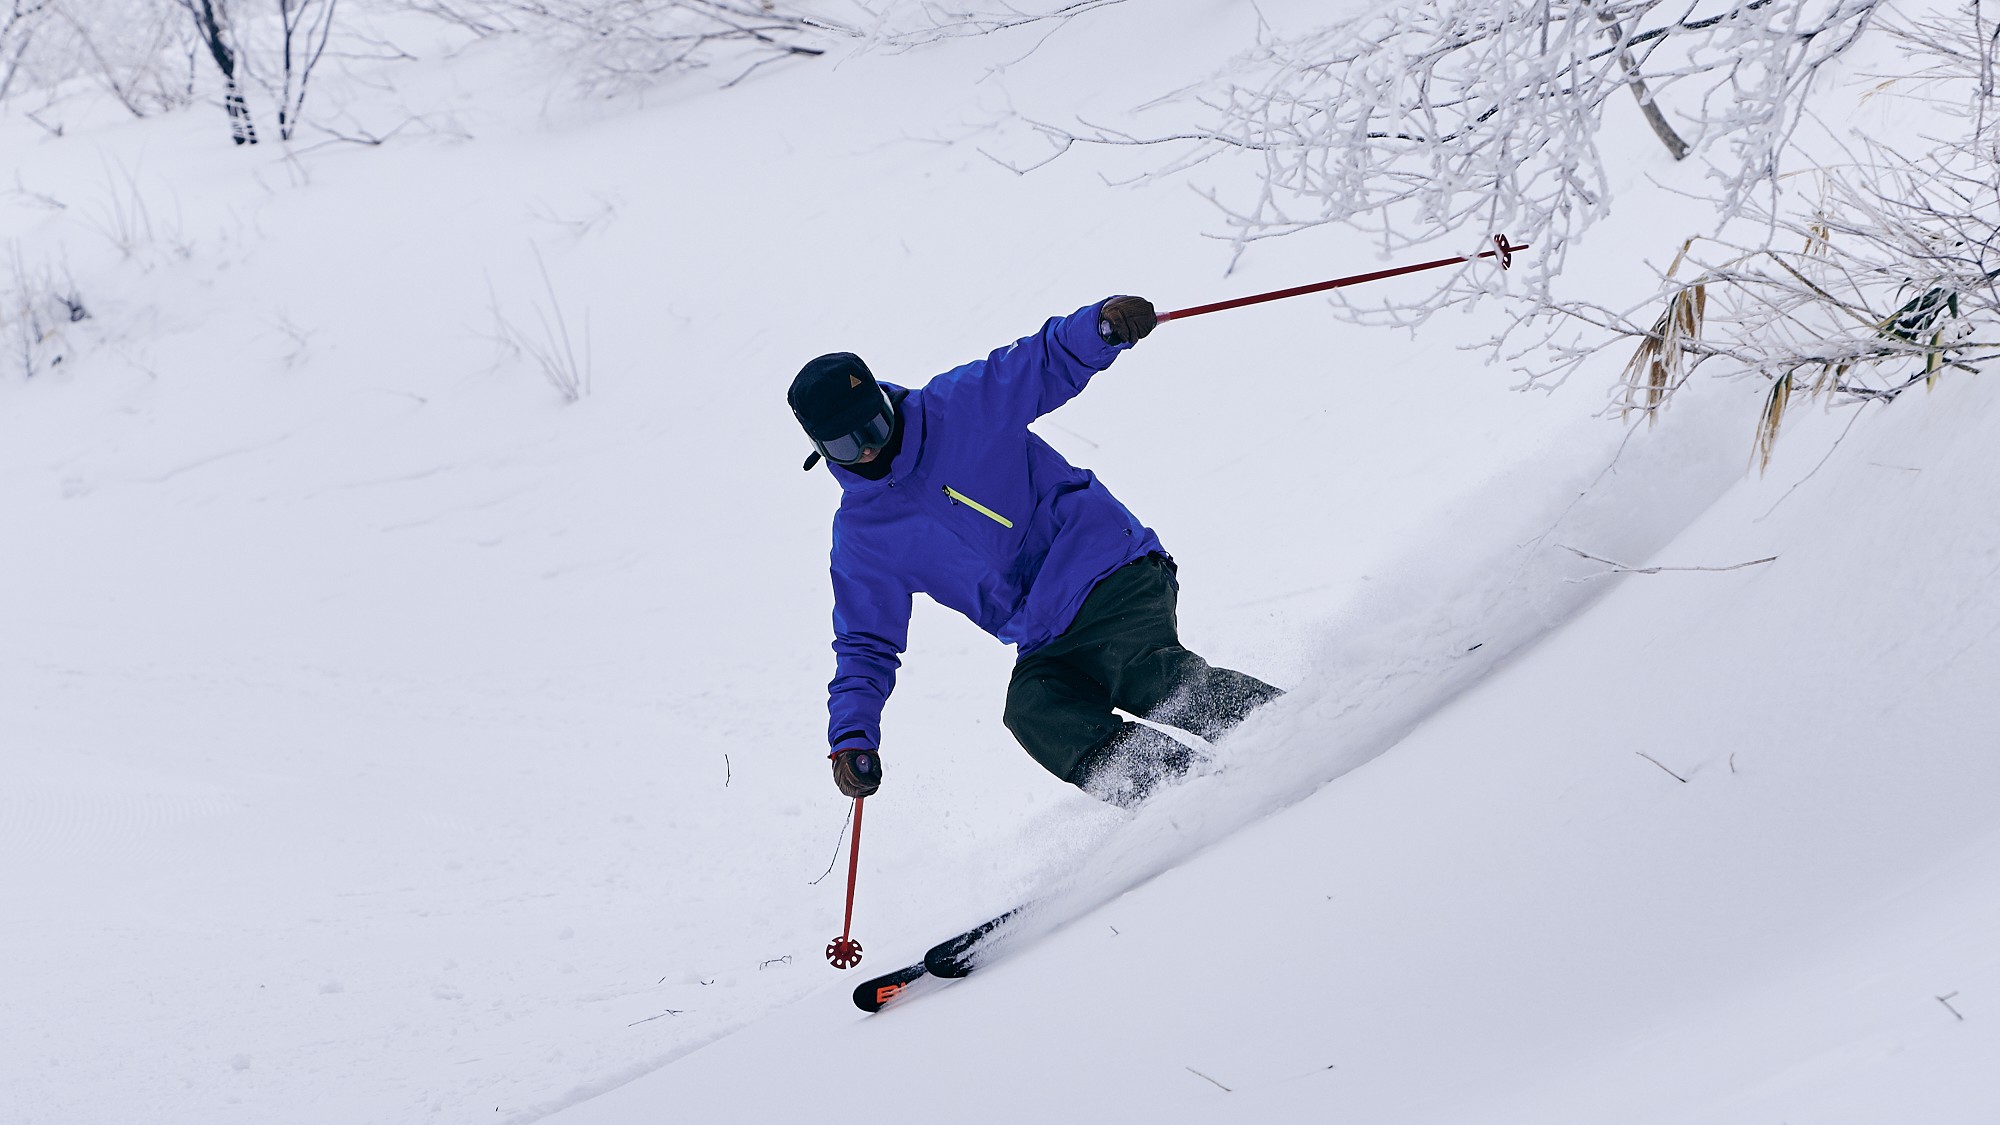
(1124, 651)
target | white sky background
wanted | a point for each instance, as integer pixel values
(384, 739)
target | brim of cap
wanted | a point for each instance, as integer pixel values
(849, 420)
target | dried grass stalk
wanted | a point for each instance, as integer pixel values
(1767, 423)
(1660, 364)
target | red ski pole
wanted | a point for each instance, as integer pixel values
(1501, 249)
(844, 952)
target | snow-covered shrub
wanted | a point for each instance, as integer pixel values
(904, 25)
(619, 45)
(138, 51)
(37, 306)
(1423, 120)
(155, 55)
(1880, 272)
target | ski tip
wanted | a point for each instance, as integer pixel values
(876, 993)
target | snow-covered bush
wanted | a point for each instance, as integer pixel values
(1879, 272)
(1421, 121)
(155, 55)
(138, 51)
(904, 25)
(1853, 273)
(37, 306)
(619, 45)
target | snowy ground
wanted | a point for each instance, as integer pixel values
(386, 739)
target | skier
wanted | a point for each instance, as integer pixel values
(946, 492)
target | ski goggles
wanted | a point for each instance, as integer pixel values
(850, 447)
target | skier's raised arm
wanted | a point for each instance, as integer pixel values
(1035, 374)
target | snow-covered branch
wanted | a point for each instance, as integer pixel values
(912, 25)
(1461, 118)
(630, 44)
(1879, 273)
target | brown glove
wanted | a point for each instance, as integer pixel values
(857, 770)
(1126, 320)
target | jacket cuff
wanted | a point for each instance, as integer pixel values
(1082, 340)
(854, 739)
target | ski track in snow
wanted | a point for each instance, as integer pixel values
(1491, 579)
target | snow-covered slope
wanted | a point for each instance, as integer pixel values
(1720, 850)
(383, 738)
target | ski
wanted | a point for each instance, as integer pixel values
(949, 959)
(956, 957)
(871, 994)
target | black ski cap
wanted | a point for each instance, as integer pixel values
(834, 395)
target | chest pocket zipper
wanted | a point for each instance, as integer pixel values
(958, 497)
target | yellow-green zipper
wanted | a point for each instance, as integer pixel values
(958, 497)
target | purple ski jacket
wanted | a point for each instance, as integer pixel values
(978, 513)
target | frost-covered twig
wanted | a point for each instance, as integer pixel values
(1211, 1081)
(845, 820)
(1621, 568)
(1662, 765)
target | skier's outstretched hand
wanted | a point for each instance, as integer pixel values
(1126, 320)
(857, 770)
